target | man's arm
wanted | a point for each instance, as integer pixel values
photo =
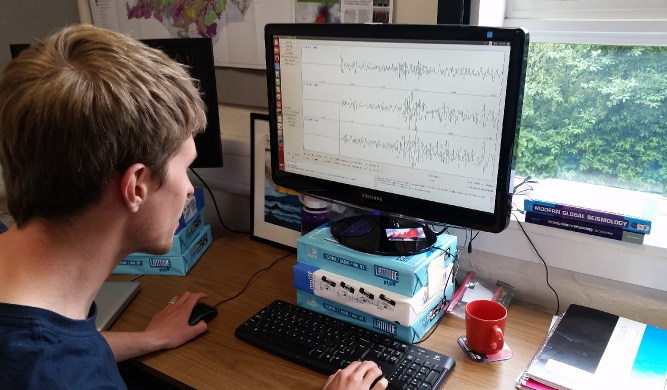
(168, 329)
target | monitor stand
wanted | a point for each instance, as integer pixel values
(383, 235)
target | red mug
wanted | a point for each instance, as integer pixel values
(485, 326)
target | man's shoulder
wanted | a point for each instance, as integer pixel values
(36, 353)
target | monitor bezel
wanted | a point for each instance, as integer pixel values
(400, 205)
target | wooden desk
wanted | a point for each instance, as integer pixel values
(217, 360)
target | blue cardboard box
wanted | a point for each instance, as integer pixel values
(373, 300)
(411, 334)
(403, 275)
(193, 205)
(184, 237)
(167, 265)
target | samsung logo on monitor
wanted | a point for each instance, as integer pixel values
(372, 197)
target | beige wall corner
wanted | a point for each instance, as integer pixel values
(84, 12)
(415, 11)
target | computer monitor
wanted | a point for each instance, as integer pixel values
(415, 122)
(197, 54)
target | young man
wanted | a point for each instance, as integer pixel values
(96, 135)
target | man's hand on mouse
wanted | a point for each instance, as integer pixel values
(357, 376)
(170, 328)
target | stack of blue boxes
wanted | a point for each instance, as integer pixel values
(400, 296)
(191, 240)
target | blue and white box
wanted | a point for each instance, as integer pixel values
(192, 206)
(184, 237)
(167, 265)
(373, 300)
(404, 275)
(411, 334)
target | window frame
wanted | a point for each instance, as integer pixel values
(591, 9)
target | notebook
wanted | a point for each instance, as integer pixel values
(111, 300)
(591, 349)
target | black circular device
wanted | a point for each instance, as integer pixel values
(382, 235)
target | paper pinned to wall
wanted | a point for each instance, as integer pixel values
(235, 26)
(367, 11)
(344, 11)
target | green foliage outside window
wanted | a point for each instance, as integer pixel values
(596, 114)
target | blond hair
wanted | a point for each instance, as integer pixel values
(82, 106)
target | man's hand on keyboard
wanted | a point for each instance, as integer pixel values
(357, 376)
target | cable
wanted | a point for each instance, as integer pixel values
(471, 239)
(251, 278)
(544, 262)
(217, 210)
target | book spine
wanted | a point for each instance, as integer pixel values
(593, 217)
(587, 228)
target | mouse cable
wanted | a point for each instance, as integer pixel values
(215, 204)
(543, 262)
(456, 263)
(251, 278)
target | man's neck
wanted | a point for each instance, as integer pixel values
(58, 269)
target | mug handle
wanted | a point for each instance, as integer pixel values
(497, 337)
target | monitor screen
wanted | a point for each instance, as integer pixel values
(197, 54)
(415, 121)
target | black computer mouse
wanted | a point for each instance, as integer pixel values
(202, 311)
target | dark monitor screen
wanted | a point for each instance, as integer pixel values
(197, 54)
(412, 121)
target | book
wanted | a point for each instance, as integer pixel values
(590, 349)
(523, 379)
(532, 385)
(583, 227)
(606, 206)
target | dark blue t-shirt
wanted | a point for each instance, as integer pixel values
(40, 349)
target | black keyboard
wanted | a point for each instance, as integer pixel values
(325, 344)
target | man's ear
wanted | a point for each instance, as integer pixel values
(134, 186)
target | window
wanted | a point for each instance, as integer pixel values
(596, 114)
(595, 103)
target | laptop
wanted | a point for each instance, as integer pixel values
(111, 300)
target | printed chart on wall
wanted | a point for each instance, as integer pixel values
(344, 11)
(236, 27)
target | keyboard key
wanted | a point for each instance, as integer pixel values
(432, 377)
(437, 368)
(425, 387)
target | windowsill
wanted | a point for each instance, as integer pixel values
(643, 265)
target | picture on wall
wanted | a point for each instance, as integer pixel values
(275, 211)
